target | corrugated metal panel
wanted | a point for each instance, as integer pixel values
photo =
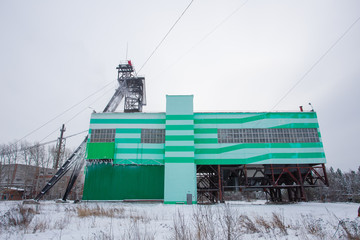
(119, 182)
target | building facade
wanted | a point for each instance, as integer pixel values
(20, 181)
(182, 156)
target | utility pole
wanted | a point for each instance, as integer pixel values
(60, 147)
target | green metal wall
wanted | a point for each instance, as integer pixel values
(119, 182)
(208, 151)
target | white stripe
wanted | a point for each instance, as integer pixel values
(128, 116)
(179, 154)
(128, 135)
(179, 143)
(142, 126)
(179, 122)
(179, 132)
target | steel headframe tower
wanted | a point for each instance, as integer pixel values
(133, 89)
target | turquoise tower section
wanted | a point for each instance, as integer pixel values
(180, 168)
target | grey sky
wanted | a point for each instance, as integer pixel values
(55, 53)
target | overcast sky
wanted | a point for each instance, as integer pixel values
(53, 54)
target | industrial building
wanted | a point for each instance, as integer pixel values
(182, 156)
(19, 181)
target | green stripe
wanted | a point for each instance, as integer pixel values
(205, 130)
(298, 125)
(179, 148)
(128, 130)
(205, 140)
(268, 156)
(140, 150)
(228, 120)
(179, 117)
(268, 114)
(127, 140)
(127, 121)
(179, 138)
(256, 145)
(255, 118)
(179, 127)
(179, 160)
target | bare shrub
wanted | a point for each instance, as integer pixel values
(101, 235)
(18, 216)
(228, 223)
(247, 225)
(350, 229)
(62, 223)
(41, 225)
(137, 230)
(263, 223)
(204, 222)
(181, 231)
(278, 222)
(313, 226)
(85, 211)
(135, 216)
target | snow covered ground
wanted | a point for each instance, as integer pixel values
(237, 220)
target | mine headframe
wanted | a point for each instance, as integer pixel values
(132, 88)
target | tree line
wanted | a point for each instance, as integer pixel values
(35, 154)
(343, 187)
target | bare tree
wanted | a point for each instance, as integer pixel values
(25, 152)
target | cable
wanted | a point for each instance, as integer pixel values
(207, 35)
(42, 144)
(77, 114)
(166, 35)
(46, 123)
(317, 62)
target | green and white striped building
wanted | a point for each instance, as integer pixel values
(155, 155)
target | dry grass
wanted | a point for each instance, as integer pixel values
(248, 225)
(41, 225)
(204, 221)
(181, 230)
(350, 229)
(85, 211)
(260, 221)
(18, 216)
(278, 222)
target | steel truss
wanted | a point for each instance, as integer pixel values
(274, 180)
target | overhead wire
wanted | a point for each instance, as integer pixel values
(217, 26)
(67, 110)
(77, 114)
(163, 39)
(316, 63)
(41, 144)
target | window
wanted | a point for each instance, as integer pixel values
(152, 135)
(102, 135)
(268, 135)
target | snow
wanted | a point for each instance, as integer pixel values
(156, 221)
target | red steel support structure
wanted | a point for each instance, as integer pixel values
(275, 179)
